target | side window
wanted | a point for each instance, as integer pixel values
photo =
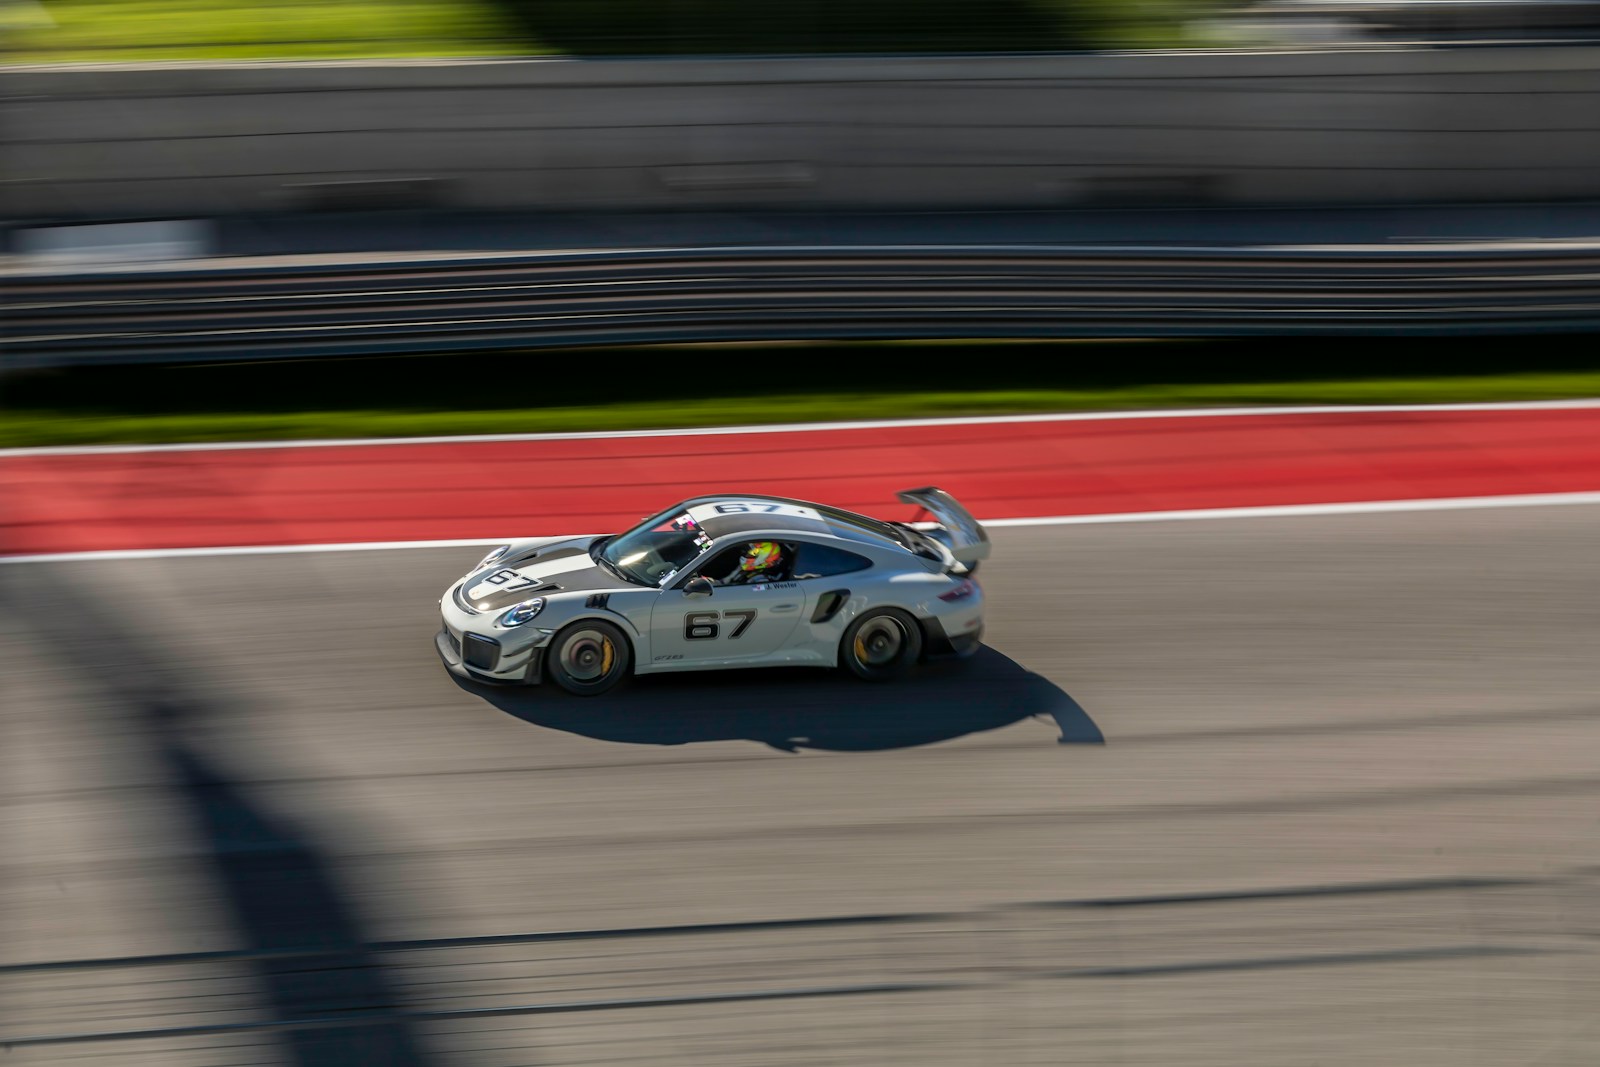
(724, 567)
(721, 565)
(824, 561)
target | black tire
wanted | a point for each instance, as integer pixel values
(589, 657)
(881, 645)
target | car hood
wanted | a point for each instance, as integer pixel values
(562, 567)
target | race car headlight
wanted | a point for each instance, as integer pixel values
(523, 612)
(491, 557)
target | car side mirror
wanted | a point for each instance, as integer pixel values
(699, 585)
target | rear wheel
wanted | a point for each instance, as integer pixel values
(589, 657)
(881, 645)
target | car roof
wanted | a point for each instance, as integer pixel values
(730, 514)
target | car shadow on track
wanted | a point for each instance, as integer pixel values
(799, 708)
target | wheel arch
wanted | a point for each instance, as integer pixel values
(538, 665)
(624, 629)
(915, 634)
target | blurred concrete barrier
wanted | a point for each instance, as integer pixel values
(1515, 123)
(117, 242)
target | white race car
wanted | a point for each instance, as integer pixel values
(730, 580)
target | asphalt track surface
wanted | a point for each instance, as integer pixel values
(1287, 791)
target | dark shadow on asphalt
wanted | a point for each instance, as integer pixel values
(286, 901)
(304, 940)
(804, 708)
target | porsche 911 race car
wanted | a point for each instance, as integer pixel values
(729, 580)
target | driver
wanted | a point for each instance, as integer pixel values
(761, 561)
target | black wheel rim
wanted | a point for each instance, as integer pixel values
(588, 657)
(879, 642)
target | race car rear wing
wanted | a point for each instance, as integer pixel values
(964, 536)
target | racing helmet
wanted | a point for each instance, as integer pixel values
(760, 556)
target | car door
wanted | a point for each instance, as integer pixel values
(734, 624)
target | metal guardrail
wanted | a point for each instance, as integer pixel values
(728, 294)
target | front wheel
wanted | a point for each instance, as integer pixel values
(589, 657)
(881, 645)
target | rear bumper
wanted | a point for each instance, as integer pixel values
(938, 645)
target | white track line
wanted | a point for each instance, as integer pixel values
(1284, 511)
(1364, 507)
(253, 550)
(813, 427)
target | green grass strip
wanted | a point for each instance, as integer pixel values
(37, 426)
(72, 31)
(61, 31)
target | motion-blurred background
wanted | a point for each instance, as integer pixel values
(1280, 749)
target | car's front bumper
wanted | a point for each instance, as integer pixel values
(528, 669)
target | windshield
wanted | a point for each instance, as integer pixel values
(656, 549)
